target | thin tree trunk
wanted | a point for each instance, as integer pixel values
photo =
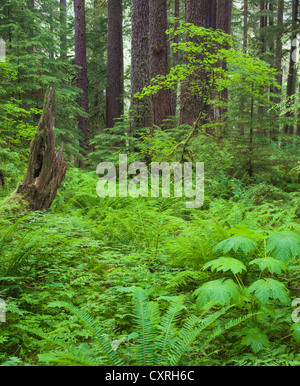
(223, 22)
(140, 72)
(46, 167)
(245, 34)
(277, 64)
(175, 55)
(82, 79)
(292, 75)
(63, 26)
(115, 66)
(161, 101)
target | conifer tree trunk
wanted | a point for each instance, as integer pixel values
(223, 22)
(115, 66)
(197, 12)
(278, 53)
(82, 80)
(175, 55)
(46, 167)
(245, 33)
(63, 26)
(140, 72)
(161, 102)
(292, 74)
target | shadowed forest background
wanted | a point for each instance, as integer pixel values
(143, 280)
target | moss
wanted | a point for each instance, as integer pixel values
(13, 207)
(262, 193)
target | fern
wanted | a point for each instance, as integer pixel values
(157, 344)
(97, 331)
(145, 328)
(168, 326)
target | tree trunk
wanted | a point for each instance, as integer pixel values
(63, 26)
(46, 167)
(245, 34)
(175, 55)
(278, 64)
(292, 74)
(224, 15)
(82, 80)
(161, 101)
(223, 22)
(140, 72)
(198, 13)
(115, 66)
(278, 53)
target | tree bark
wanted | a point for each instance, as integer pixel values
(82, 79)
(46, 167)
(63, 26)
(245, 33)
(140, 72)
(198, 13)
(292, 74)
(223, 22)
(161, 101)
(175, 55)
(115, 65)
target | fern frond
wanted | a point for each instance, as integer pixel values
(144, 327)
(167, 325)
(98, 332)
(189, 332)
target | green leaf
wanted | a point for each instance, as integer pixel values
(245, 243)
(226, 264)
(266, 289)
(296, 332)
(221, 291)
(284, 245)
(255, 338)
(269, 263)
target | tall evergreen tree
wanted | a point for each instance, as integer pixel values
(161, 102)
(140, 71)
(197, 12)
(292, 74)
(82, 79)
(115, 64)
(63, 26)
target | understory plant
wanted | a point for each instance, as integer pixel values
(157, 340)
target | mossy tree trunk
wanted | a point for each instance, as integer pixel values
(46, 167)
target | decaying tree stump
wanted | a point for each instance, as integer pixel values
(46, 167)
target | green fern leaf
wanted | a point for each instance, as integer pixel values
(93, 326)
(168, 328)
(145, 327)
